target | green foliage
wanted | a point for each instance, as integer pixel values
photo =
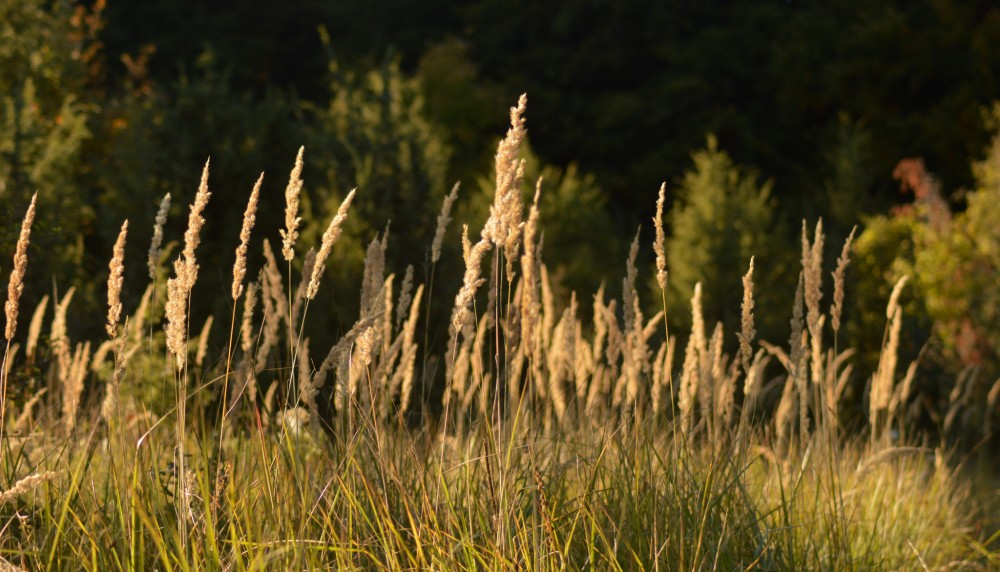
(373, 135)
(723, 217)
(463, 105)
(849, 175)
(150, 149)
(44, 114)
(954, 266)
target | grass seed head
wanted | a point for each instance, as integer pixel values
(115, 281)
(292, 219)
(326, 246)
(16, 284)
(154, 245)
(659, 245)
(249, 218)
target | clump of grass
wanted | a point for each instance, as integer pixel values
(560, 444)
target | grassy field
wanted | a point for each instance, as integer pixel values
(536, 440)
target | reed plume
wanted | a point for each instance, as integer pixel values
(246, 329)
(116, 271)
(35, 328)
(472, 281)
(884, 379)
(659, 245)
(249, 218)
(16, 284)
(72, 380)
(26, 484)
(326, 246)
(408, 359)
(202, 351)
(503, 228)
(838, 282)
(405, 295)
(798, 356)
(529, 306)
(192, 236)
(292, 219)
(442, 223)
(373, 280)
(747, 331)
(116, 278)
(812, 263)
(186, 274)
(275, 306)
(154, 245)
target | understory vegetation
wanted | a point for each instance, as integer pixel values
(550, 429)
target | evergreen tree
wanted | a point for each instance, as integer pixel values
(722, 217)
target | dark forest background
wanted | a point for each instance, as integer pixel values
(757, 115)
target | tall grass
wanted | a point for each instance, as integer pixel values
(558, 444)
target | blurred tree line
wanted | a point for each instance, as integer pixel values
(759, 114)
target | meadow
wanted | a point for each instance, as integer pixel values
(550, 432)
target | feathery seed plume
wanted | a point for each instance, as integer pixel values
(882, 384)
(405, 294)
(812, 268)
(503, 228)
(373, 279)
(246, 330)
(838, 282)
(629, 295)
(291, 231)
(192, 236)
(186, 273)
(890, 310)
(698, 323)
(249, 218)
(530, 308)
(154, 245)
(329, 237)
(199, 355)
(35, 328)
(26, 484)
(176, 310)
(471, 282)
(658, 244)
(16, 284)
(442, 223)
(748, 332)
(115, 280)
(409, 357)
